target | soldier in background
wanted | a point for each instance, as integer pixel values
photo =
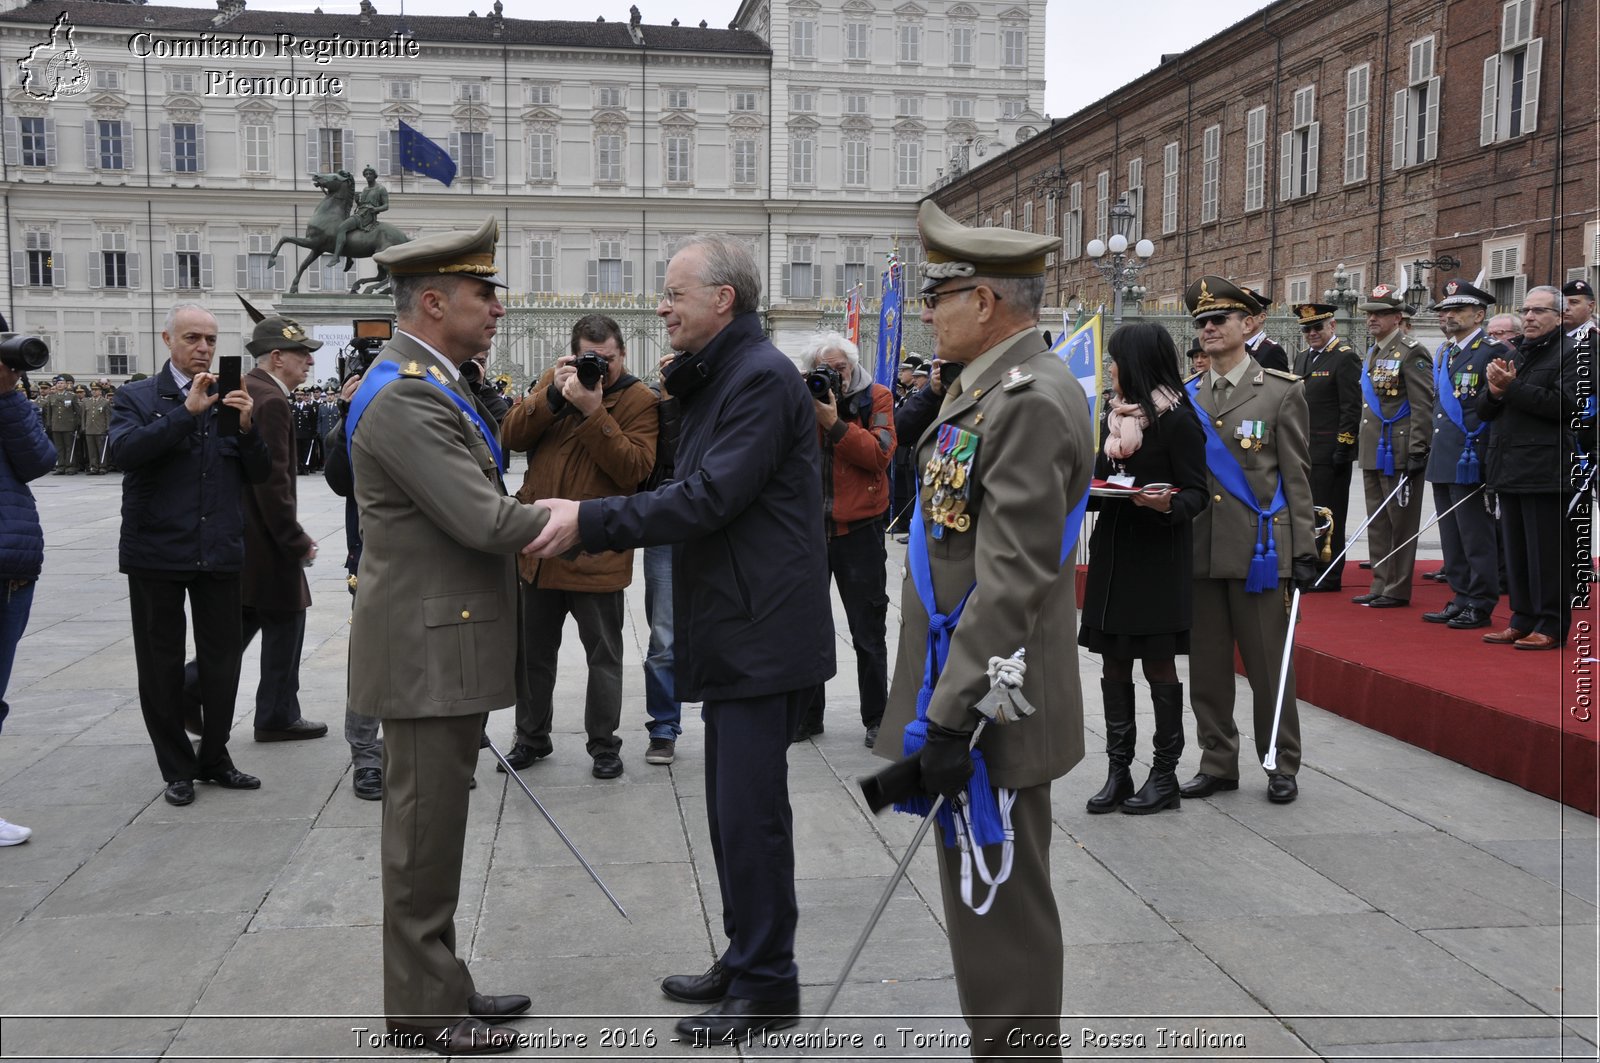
(1268, 353)
(305, 432)
(96, 425)
(1396, 430)
(63, 416)
(1331, 370)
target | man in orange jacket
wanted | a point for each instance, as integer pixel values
(855, 426)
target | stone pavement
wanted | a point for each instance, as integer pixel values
(1404, 907)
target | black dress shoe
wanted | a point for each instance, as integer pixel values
(1323, 588)
(1281, 789)
(804, 731)
(1437, 577)
(1366, 565)
(1363, 599)
(467, 1037)
(231, 778)
(737, 1017)
(368, 784)
(1383, 601)
(1471, 617)
(522, 757)
(705, 988)
(179, 792)
(1203, 785)
(1443, 615)
(606, 766)
(298, 731)
(484, 1006)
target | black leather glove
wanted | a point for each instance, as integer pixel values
(945, 761)
(1416, 467)
(554, 397)
(1343, 452)
(1306, 570)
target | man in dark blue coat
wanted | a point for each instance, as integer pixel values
(183, 534)
(750, 604)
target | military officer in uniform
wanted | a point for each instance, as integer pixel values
(1268, 352)
(1577, 314)
(1003, 463)
(1396, 429)
(433, 640)
(1455, 460)
(96, 424)
(63, 419)
(1331, 370)
(1255, 536)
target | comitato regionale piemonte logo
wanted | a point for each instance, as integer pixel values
(53, 68)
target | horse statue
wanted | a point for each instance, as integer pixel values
(339, 193)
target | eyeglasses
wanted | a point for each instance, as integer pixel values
(672, 295)
(1311, 328)
(932, 298)
(1537, 310)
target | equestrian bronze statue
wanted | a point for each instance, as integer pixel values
(334, 230)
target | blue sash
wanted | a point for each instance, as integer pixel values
(1386, 436)
(1263, 575)
(387, 372)
(1467, 470)
(983, 813)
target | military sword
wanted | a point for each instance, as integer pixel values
(1435, 519)
(1405, 478)
(1270, 761)
(556, 827)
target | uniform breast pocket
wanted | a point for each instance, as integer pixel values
(460, 651)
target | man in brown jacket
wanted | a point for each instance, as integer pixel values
(588, 434)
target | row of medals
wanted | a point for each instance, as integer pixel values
(1386, 376)
(948, 478)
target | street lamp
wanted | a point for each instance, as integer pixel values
(1112, 259)
(1418, 290)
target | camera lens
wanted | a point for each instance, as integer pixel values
(24, 354)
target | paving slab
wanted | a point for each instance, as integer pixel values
(79, 775)
(334, 879)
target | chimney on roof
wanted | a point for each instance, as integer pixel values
(702, 23)
(497, 19)
(634, 18)
(367, 11)
(227, 11)
(674, 22)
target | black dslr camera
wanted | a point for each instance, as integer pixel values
(824, 379)
(367, 337)
(23, 354)
(591, 367)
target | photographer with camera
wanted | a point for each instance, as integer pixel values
(25, 455)
(589, 430)
(855, 427)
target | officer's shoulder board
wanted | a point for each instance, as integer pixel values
(1409, 341)
(1282, 375)
(411, 369)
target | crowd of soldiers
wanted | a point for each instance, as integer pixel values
(77, 418)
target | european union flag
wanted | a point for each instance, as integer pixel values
(889, 325)
(421, 155)
(1080, 349)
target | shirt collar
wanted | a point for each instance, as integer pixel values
(177, 375)
(450, 367)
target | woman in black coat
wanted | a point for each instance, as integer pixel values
(1141, 559)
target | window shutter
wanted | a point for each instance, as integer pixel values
(313, 151)
(1530, 86)
(133, 269)
(312, 278)
(19, 261)
(169, 270)
(13, 138)
(785, 278)
(1491, 99)
(200, 147)
(1519, 289)
(488, 155)
(166, 147)
(1430, 148)
(1313, 153)
(95, 260)
(241, 271)
(347, 139)
(661, 277)
(838, 280)
(127, 145)
(627, 276)
(455, 148)
(205, 272)
(385, 141)
(49, 141)
(593, 279)
(91, 144)
(280, 275)
(58, 269)
(1400, 129)
(1286, 166)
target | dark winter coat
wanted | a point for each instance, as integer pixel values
(750, 568)
(25, 455)
(1530, 440)
(183, 484)
(1141, 562)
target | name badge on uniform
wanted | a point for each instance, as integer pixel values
(1251, 434)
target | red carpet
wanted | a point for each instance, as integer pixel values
(1514, 714)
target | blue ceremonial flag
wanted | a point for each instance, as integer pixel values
(421, 155)
(1080, 349)
(889, 324)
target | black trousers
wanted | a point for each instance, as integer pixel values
(599, 615)
(283, 635)
(752, 838)
(1330, 486)
(1538, 574)
(857, 562)
(159, 645)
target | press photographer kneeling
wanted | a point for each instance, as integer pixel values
(855, 426)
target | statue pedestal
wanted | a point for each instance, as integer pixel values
(327, 316)
(791, 327)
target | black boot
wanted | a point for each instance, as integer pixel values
(1120, 736)
(1160, 790)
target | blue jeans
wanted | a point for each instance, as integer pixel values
(14, 612)
(659, 700)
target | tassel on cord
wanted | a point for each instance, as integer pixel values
(1263, 575)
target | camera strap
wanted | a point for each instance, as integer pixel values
(386, 373)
